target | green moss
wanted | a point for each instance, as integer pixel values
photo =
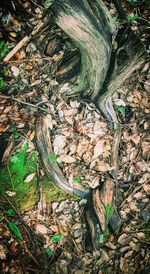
(52, 193)
(12, 178)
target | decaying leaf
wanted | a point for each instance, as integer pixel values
(98, 149)
(102, 166)
(59, 144)
(29, 178)
(67, 159)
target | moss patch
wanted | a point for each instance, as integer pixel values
(13, 175)
(54, 194)
(12, 178)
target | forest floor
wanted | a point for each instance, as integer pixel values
(43, 229)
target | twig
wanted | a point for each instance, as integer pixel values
(26, 60)
(22, 102)
(23, 42)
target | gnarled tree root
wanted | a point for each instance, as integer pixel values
(103, 70)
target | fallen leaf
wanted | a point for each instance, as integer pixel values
(147, 85)
(98, 149)
(15, 71)
(29, 178)
(59, 144)
(146, 188)
(123, 239)
(41, 229)
(95, 182)
(100, 128)
(67, 159)
(102, 166)
(119, 102)
(10, 193)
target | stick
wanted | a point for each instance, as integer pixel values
(22, 102)
(23, 42)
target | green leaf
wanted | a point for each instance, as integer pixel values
(1, 216)
(132, 2)
(1, 83)
(101, 239)
(108, 211)
(2, 44)
(53, 158)
(77, 180)
(57, 238)
(15, 230)
(132, 18)
(121, 109)
(48, 3)
(48, 251)
(10, 212)
(4, 52)
(5, 70)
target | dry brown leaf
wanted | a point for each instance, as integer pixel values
(135, 138)
(123, 239)
(100, 128)
(64, 230)
(138, 195)
(147, 85)
(98, 149)
(59, 144)
(123, 265)
(119, 102)
(133, 206)
(103, 167)
(67, 159)
(41, 229)
(95, 182)
(29, 178)
(15, 71)
(146, 188)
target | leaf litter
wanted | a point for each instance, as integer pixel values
(82, 146)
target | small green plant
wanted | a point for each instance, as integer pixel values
(108, 211)
(133, 3)
(121, 110)
(131, 18)
(1, 83)
(3, 50)
(101, 239)
(48, 3)
(48, 251)
(53, 158)
(77, 181)
(57, 238)
(16, 134)
(11, 225)
(15, 230)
